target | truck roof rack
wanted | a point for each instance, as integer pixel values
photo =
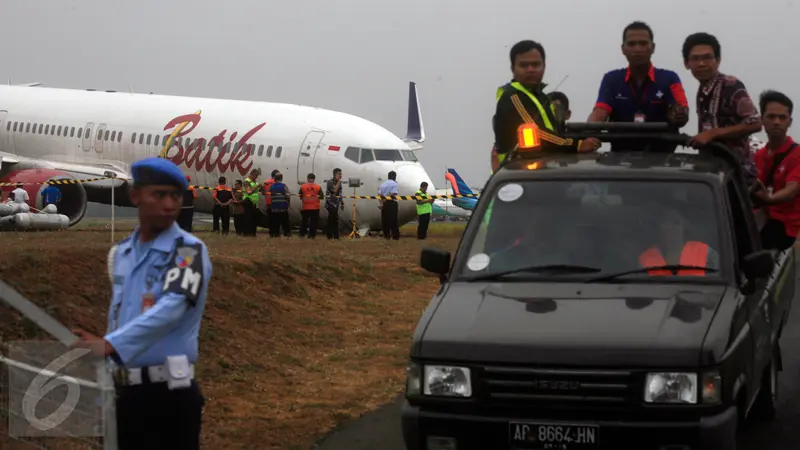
(618, 132)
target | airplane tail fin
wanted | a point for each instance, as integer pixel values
(460, 187)
(415, 134)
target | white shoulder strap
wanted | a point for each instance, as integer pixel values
(111, 255)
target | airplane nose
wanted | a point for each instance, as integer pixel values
(410, 177)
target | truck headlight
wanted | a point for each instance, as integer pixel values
(446, 381)
(671, 387)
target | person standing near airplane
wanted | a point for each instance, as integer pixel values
(389, 208)
(250, 201)
(238, 208)
(281, 200)
(186, 216)
(333, 203)
(159, 276)
(641, 92)
(310, 195)
(268, 198)
(223, 197)
(19, 195)
(522, 101)
(724, 108)
(51, 195)
(424, 211)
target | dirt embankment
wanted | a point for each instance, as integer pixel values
(298, 336)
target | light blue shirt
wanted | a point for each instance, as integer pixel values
(177, 277)
(388, 187)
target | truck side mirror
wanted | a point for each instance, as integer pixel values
(758, 264)
(435, 260)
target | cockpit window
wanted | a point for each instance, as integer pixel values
(611, 226)
(409, 155)
(352, 154)
(388, 155)
(366, 155)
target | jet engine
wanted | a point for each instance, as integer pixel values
(73, 195)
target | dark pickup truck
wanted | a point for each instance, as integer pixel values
(602, 301)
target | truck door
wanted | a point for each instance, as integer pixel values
(759, 303)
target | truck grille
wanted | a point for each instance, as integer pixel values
(526, 386)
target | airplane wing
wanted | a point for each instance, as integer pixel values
(79, 171)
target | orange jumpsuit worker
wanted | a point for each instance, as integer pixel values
(311, 194)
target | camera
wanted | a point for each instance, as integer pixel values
(354, 182)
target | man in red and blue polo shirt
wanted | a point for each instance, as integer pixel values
(778, 166)
(641, 92)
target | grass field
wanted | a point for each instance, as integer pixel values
(298, 335)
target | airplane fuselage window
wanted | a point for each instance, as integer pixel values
(278, 151)
(58, 132)
(149, 138)
(113, 136)
(47, 129)
(15, 126)
(87, 133)
(269, 152)
(106, 136)
(141, 138)
(155, 142)
(72, 132)
(8, 126)
(80, 131)
(119, 137)
(28, 128)
(261, 150)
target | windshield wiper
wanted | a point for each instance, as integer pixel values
(671, 268)
(548, 268)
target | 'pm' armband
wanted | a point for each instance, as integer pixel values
(185, 273)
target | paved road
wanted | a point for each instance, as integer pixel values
(381, 428)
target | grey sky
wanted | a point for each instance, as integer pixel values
(357, 56)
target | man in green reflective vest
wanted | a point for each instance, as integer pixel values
(250, 198)
(522, 101)
(424, 210)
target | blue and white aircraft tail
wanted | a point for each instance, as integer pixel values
(460, 187)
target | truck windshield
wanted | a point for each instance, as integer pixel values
(609, 226)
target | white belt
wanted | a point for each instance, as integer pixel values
(157, 374)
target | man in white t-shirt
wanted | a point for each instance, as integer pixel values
(20, 195)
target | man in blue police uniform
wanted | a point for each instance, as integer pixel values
(160, 277)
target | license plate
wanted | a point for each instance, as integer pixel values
(550, 436)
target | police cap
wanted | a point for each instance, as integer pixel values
(156, 170)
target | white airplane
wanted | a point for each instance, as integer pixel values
(62, 134)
